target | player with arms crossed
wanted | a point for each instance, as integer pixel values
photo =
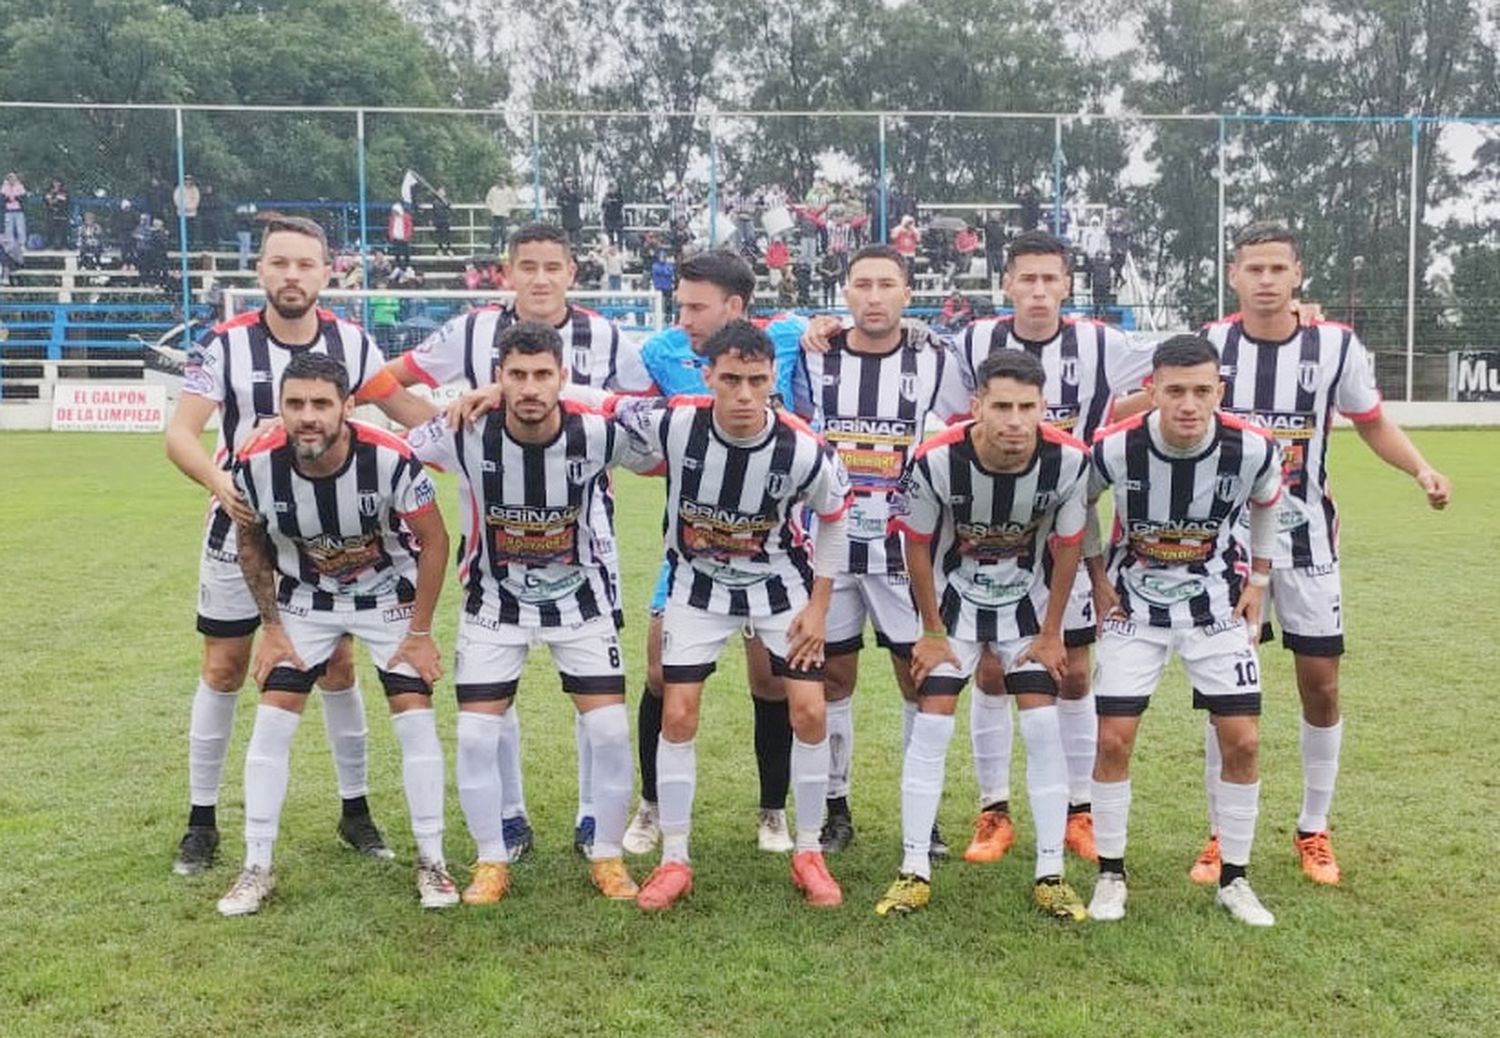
(530, 474)
(1289, 380)
(1181, 476)
(738, 474)
(339, 510)
(235, 372)
(983, 501)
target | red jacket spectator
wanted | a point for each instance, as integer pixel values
(778, 255)
(399, 226)
(905, 237)
(966, 241)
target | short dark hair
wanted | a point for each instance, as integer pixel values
(1184, 351)
(295, 225)
(740, 337)
(1268, 232)
(882, 252)
(1017, 365)
(529, 337)
(1038, 243)
(539, 232)
(317, 366)
(723, 269)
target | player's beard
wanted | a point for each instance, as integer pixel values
(541, 416)
(292, 311)
(310, 452)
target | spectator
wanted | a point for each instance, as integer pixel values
(1100, 282)
(966, 244)
(11, 256)
(442, 222)
(956, 312)
(398, 230)
(612, 260)
(614, 215)
(778, 256)
(500, 200)
(123, 233)
(186, 197)
(90, 242)
(58, 205)
(786, 289)
(830, 272)
(664, 280)
(14, 193)
(1031, 207)
(472, 278)
(244, 231)
(210, 215)
(1092, 239)
(842, 236)
(994, 243)
(570, 210)
(151, 250)
(158, 198)
(1119, 231)
(905, 239)
(385, 314)
(678, 203)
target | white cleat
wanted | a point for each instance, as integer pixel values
(645, 830)
(773, 835)
(1108, 903)
(435, 888)
(250, 889)
(1241, 903)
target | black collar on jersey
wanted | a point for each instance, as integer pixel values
(1297, 333)
(498, 416)
(1035, 344)
(1191, 459)
(759, 442)
(271, 337)
(840, 341)
(973, 450)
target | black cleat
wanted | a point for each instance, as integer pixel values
(838, 831)
(197, 851)
(938, 849)
(359, 832)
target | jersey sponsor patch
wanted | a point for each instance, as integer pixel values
(533, 536)
(341, 558)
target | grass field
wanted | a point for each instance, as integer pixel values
(98, 548)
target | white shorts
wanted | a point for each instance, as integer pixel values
(488, 658)
(1221, 664)
(226, 609)
(1079, 622)
(315, 633)
(948, 680)
(885, 600)
(1308, 604)
(692, 639)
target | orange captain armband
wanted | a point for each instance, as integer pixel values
(380, 386)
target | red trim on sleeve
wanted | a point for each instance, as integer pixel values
(430, 506)
(1267, 504)
(409, 362)
(690, 400)
(1052, 434)
(579, 407)
(243, 320)
(953, 434)
(1058, 538)
(795, 422)
(906, 531)
(831, 516)
(1232, 421)
(266, 440)
(380, 438)
(1122, 425)
(1365, 416)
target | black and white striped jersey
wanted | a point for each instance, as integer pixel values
(238, 366)
(339, 541)
(1291, 389)
(734, 540)
(1088, 364)
(1174, 554)
(464, 350)
(988, 531)
(531, 547)
(872, 409)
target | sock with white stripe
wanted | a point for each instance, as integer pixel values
(267, 766)
(676, 782)
(908, 718)
(809, 790)
(922, 789)
(1320, 770)
(510, 765)
(1111, 817)
(1046, 786)
(422, 777)
(1239, 806)
(585, 769)
(344, 724)
(840, 714)
(1079, 725)
(607, 730)
(478, 775)
(210, 726)
(1213, 767)
(991, 736)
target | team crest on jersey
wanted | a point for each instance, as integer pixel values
(1043, 501)
(487, 466)
(1226, 372)
(580, 359)
(776, 484)
(577, 469)
(908, 385)
(259, 375)
(1307, 376)
(1227, 488)
(1068, 370)
(369, 502)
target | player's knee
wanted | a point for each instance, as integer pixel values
(679, 721)
(1239, 746)
(1075, 683)
(1319, 690)
(225, 667)
(1115, 744)
(339, 674)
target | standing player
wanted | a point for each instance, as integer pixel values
(738, 474)
(332, 551)
(1182, 476)
(531, 473)
(869, 396)
(234, 372)
(984, 500)
(1288, 380)
(541, 270)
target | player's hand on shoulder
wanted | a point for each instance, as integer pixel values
(1307, 313)
(231, 500)
(473, 405)
(1436, 486)
(820, 331)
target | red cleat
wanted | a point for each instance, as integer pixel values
(810, 875)
(668, 883)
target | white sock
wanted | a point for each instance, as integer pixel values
(478, 774)
(422, 775)
(267, 765)
(510, 765)
(676, 781)
(608, 735)
(840, 714)
(908, 718)
(810, 790)
(1046, 785)
(1213, 767)
(344, 724)
(922, 789)
(1239, 805)
(585, 769)
(1111, 816)
(210, 725)
(1079, 725)
(1320, 770)
(991, 735)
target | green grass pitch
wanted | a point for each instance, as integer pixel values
(98, 548)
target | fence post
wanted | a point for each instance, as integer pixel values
(713, 181)
(1057, 176)
(536, 167)
(885, 234)
(364, 215)
(1411, 257)
(182, 236)
(1220, 251)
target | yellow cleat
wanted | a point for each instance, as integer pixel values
(489, 882)
(612, 879)
(905, 896)
(1057, 899)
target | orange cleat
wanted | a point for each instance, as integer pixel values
(668, 883)
(1318, 862)
(1080, 836)
(810, 875)
(612, 879)
(1206, 869)
(993, 835)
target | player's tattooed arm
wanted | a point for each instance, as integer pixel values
(260, 576)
